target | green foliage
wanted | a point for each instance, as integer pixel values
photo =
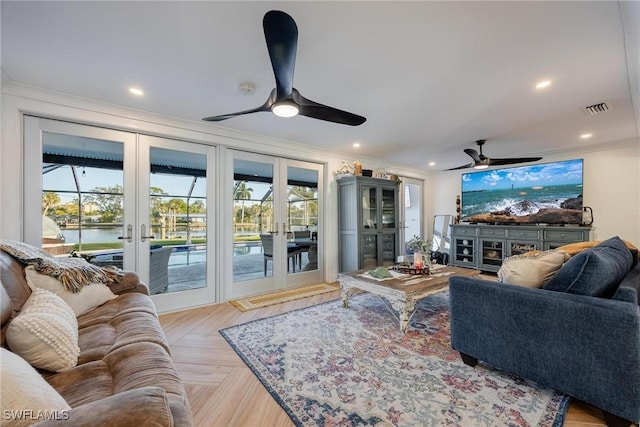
(109, 201)
(198, 207)
(416, 244)
(98, 246)
(49, 200)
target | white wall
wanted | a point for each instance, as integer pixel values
(611, 189)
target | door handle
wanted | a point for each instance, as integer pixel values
(143, 231)
(276, 232)
(129, 236)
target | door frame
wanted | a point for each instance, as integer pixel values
(317, 275)
(403, 217)
(194, 297)
(34, 127)
(136, 166)
(279, 279)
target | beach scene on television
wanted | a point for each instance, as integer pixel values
(548, 193)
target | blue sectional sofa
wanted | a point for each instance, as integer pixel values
(578, 334)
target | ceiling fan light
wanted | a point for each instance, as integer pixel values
(481, 166)
(285, 109)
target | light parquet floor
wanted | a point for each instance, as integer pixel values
(222, 389)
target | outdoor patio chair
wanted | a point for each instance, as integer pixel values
(159, 270)
(302, 239)
(267, 250)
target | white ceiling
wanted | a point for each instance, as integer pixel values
(430, 77)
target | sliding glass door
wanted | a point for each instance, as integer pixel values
(275, 223)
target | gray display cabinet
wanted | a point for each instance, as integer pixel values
(485, 246)
(368, 219)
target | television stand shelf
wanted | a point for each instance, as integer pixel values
(485, 246)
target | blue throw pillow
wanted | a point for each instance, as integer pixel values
(595, 272)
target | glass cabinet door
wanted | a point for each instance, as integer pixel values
(369, 207)
(388, 208)
(465, 250)
(369, 250)
(492, 252)
(388, 246)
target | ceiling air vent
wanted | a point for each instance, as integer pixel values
(602, 107)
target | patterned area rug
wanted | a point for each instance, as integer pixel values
(264, 300)
(330, 366)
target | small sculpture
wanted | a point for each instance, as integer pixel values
(345, 170)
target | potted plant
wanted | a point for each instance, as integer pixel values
(421, 252)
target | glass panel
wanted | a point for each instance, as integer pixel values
(302, 219)
(369, 208)
(252, 220)
(492, 252)
(464, 250)
(412, 212)
(369, 250)
(177, 214)
(82, 197)
(388, 208)
(388, 242)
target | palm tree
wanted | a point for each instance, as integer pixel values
(49, 200)
(241, 192)
(308, 198)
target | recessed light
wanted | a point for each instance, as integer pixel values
(586, 135)
(432, 163)
(356, 145)
(136, 91)
(543, 84)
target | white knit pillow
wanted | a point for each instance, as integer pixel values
(26, 394)
(45, 332)
(89, 297)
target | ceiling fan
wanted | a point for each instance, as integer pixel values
(480, 161)
(281, 35)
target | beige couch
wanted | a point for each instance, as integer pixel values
(124, 373)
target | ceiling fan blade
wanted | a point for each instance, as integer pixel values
(474, 155)
(470, 165)
(264, 107)
(318, 111)
(502, 162)
(281, 35)
(480, 160)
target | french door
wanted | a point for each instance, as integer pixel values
(275, 222)
(411, 212)
(120, 198)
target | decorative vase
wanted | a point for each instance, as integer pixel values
(418, 260)
(357, 167)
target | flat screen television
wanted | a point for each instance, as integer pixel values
(547, 193)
